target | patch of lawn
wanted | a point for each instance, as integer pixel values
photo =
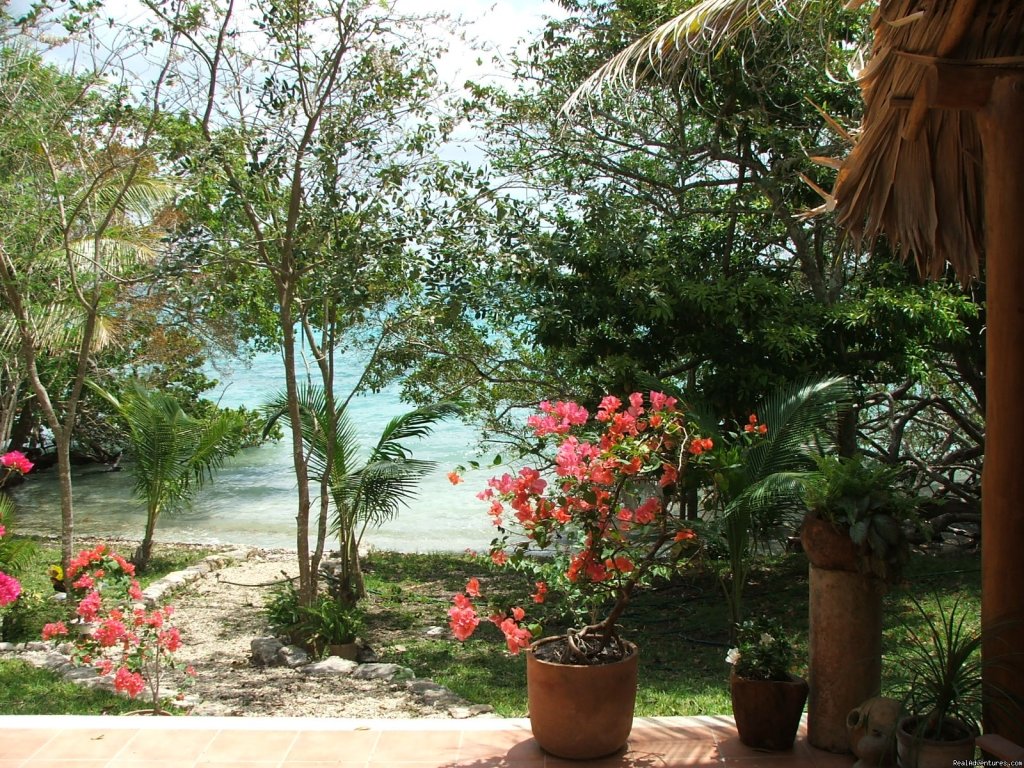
(25, 690)
(681, 628)
(29, 691)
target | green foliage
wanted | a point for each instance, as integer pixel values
(865, 499)
(365, 489)
(762, 651)
(758, 477)
(30, 691)
(326, 621)
(282, 608)
(940, 668)
(173, 453)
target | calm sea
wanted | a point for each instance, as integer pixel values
(252, 499)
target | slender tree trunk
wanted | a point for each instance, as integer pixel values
(307, 576)
(145, 551)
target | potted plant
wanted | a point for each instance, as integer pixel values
(767, 701)
(941, 674)
(597, 524)
(860, 503)
(855, 542)
(330, 627)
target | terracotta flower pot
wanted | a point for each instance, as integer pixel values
(767, 712)
(917, 752)
(826, 546)
(581, 712)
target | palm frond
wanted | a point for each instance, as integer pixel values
(796, 417)
(383, 487)
(689, 41)
(415, 424)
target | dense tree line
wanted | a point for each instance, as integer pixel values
(273, 176)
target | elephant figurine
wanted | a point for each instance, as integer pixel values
(872, 729)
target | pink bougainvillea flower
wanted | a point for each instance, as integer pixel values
(89, 606)
(499, 557)
(10, 588)
(516, 637)
(473, 587)
(684, 534)
(128, 682)
(454, 478)
(16, 461)
(2, 531)
(170, 639)
(609, 405)
(110, 632)
(539, 595)
(669, 475)
(55, 629)
(462, 618)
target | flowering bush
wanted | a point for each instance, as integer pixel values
(762, 652)
(13, 462)
(116, 634)
(10, 587)
(600, 515)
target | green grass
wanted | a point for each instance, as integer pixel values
(26, 690)
(682, 628)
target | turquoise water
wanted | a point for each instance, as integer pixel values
(252, 499)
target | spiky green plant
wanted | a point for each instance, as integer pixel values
(363, 491)
(174, 453)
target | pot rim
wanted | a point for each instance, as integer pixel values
(630, 646)
(905, 728)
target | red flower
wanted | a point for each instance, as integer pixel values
(462, 618)
(16, 461)
(454, 478)
(131, 683)
(684, 534)
(473, 587)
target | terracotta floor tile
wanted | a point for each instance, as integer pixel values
(824, 759)
(509, 745)
(336, 746)
(150, 762)
(178, 744)
(676, 752)
(254, 746)
(17, 743)
(84, 744)
(64, 763)
(433, 747)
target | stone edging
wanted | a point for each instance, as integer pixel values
(58, 660)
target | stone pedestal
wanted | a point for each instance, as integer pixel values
(845, 644)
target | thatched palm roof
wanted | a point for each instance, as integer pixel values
(915, 171)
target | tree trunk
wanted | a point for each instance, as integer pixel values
(145, 551)
(307, 576)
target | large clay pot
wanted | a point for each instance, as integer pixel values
(581, 712)
(767, 712)
(916, 752)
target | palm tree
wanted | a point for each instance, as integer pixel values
(759, 486)
(363, 491)
(174, 453)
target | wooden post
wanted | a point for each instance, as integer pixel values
(1001, 123)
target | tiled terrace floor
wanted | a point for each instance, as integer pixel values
(209, 742)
